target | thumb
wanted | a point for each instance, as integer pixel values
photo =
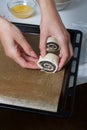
(42, 46)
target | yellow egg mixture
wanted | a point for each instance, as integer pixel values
(22, 11)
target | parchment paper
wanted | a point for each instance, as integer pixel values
(26, 87)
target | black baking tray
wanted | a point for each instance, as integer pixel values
(67, 97)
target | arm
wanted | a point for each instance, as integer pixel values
(15, 45)
(51, 25)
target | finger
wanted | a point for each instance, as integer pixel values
(42, 47)
(23, 63)
(29, 58)
(15, 54)
(25, 45)
(71, 50)
(63, 58)
(27, 48)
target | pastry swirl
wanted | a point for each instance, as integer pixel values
(49, 63)
(47, 66)
(52, 45)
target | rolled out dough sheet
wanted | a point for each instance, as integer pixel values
(29, 88)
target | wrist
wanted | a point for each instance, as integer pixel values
(47, 6)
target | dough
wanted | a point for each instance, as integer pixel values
(49, 63)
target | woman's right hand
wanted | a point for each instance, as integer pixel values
(16, 46)
(52, 26)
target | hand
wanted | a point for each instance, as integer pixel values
(15, 45)
(51, 25)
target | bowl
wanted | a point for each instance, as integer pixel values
(22, 8)
(62, 5)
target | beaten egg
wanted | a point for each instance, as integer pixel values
(22, 11)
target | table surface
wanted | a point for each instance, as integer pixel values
(73, 17)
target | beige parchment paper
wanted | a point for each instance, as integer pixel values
(29, 88)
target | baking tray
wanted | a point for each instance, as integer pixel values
(67, 96)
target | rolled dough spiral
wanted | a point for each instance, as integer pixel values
(49, 63)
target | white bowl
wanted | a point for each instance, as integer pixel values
(63, 5)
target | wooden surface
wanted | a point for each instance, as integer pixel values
(29, 88)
